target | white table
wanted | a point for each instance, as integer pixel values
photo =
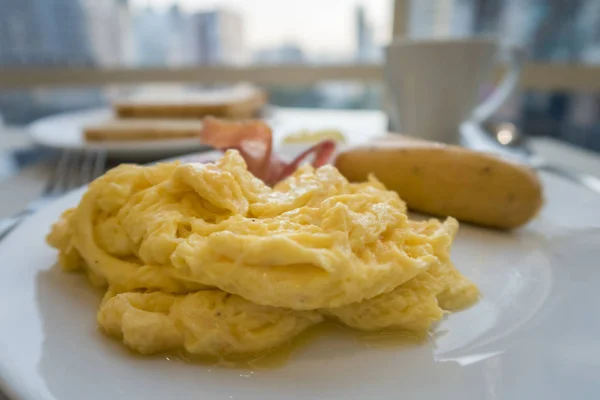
(357, 125)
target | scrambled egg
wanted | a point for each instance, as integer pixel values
(209, 323)
(208, 259)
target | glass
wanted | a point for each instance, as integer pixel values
(551, 31)
(573, 117)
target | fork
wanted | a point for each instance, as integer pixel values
(73, 169)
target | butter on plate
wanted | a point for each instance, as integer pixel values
(307, 136)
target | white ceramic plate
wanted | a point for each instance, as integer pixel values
(534, 335)
(65, 132)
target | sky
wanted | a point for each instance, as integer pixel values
(319, 26)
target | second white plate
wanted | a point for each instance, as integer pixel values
(65, 132)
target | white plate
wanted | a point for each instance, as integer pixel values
(65, 131)
(534, 335)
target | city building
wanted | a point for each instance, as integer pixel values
(287, 53)
(439, 18)
(44, 32)
(179, 39)
(365, 44)
(152, 32)
(217, 38)
(110, 31)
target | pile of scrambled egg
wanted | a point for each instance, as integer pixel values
(207, 259)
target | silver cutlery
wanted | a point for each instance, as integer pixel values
(506, 140)
(71, 170)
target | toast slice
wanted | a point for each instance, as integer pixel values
(239, 102)
(142, 130)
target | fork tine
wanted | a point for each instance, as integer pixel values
(87, 166)
(73, 171)
(99, 165)
(92, 167)
(56, 183)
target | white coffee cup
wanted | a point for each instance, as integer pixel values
(433, 85)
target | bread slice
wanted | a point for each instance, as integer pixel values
(239, 102)
(142, 130)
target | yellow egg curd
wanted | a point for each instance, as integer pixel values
(208, 259)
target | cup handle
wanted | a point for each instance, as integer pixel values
(514, 61)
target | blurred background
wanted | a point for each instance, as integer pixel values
(61, 55)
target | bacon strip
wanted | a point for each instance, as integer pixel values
(323, 152)
(254, 140)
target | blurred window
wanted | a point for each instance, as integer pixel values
(187, 33)
(144, 33)
(170, 34)
(559, 32)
